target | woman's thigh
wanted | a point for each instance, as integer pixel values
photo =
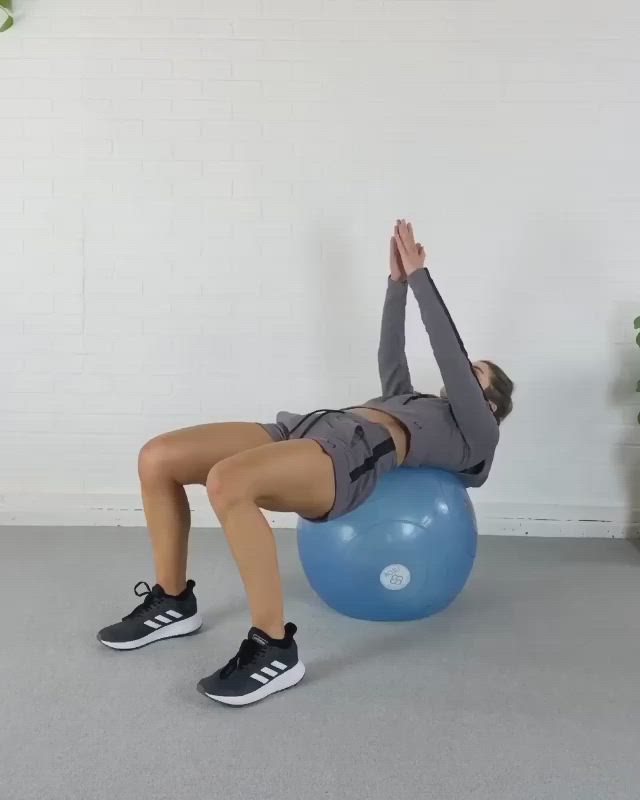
(295, 475)
(187, 455)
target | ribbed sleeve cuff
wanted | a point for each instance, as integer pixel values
(399, 287)
(418, 278)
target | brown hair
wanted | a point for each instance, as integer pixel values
(500, 391)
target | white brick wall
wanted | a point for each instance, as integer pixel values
(195, 201)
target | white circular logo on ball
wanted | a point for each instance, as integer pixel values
(395, 577)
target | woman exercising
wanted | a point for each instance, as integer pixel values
(319, 465)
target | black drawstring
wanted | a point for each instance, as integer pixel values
(417, 396)
(323, 413)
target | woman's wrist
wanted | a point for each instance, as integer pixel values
(411, 270)
(416, 275)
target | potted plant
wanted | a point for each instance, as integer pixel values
(6, 15)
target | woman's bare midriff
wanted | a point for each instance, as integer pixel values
(396, 430)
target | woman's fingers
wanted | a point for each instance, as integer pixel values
(402, 248)
(393, 253)
(404, 235)
(406, 232)
(397, 237)
(395, 261)
(406, 227)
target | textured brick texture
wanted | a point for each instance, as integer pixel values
(195, 200)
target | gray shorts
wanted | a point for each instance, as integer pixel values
(361, 451)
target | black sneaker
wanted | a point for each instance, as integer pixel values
(261, 667)
(159, 616)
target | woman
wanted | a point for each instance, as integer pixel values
(319, 465)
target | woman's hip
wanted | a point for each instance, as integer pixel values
(361, 450)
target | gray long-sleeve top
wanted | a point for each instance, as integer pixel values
(459, 433)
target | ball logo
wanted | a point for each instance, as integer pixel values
(395, 577)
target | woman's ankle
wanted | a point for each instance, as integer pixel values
(273, 630)
(172, 587)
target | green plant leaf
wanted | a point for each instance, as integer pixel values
(636, 323)
(638, 340)
(6, 15)
(638, 387)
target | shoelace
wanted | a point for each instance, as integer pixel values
(151, 599)
(249, 650)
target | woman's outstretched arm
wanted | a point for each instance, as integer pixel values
(392, 360)
(470, 407)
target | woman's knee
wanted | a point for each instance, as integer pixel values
(155, 460)
(227, 485)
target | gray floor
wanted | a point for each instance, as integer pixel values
(527, 687)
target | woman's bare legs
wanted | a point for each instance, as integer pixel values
(166, 465)
(283, 476)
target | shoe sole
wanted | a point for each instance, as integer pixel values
(182, 627)
(279, 684)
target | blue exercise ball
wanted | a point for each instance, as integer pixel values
(405, 553)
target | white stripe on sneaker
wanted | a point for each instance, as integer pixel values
(174, 614)
(294, 674)
(270, 672)
(181, 627)
(278, 664)
(152, 624)
(160, 618)
(259, 678)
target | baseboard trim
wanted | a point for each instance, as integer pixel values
(496, 519)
